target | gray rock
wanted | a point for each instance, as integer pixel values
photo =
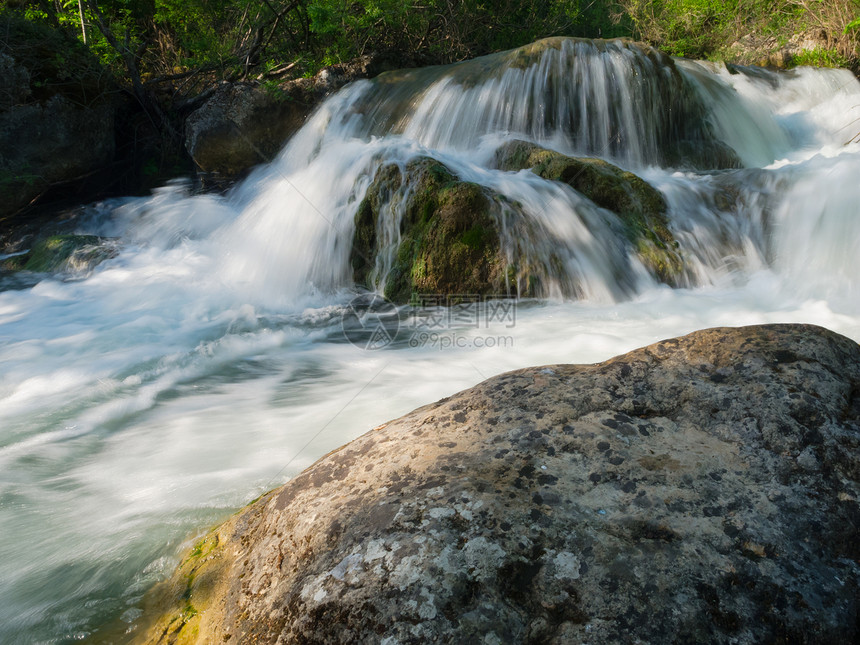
(57, 107)
(51, 142)
(243, 125)
(448, 238)
(702, 489)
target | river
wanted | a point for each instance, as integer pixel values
(145, 400)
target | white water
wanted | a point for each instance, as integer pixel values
(206, 363)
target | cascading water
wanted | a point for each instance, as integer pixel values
(205, 363)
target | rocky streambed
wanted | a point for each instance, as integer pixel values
(701, 489)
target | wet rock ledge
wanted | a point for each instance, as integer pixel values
(702, 489)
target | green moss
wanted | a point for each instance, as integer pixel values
(517, 155)
(474, 237)
(528, 55)
(408, 269)
(199, 572)
(665, 265)
(190, 612)
(419, 270)
(449, 234)
(203, 547)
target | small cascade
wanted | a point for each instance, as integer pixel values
(686, 127)
(814, 241)
(765, 116)
(613, 99)
(549, 240)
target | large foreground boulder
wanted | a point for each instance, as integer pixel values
(702, 489)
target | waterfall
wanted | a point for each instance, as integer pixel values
(613, 99)
(205, 362)
(722, 144)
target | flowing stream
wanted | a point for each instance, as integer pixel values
(146, 399)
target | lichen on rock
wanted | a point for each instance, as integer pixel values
(701, 489)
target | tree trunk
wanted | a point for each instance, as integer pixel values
(83, 24)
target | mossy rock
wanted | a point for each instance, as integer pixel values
(58, 253)
(449, 236)
(639, 206)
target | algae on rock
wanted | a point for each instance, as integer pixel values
(421, 229)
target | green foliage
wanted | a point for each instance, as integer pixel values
(57, 62)
(239, 38)
(820, 57)
(448, 30)
(696, 28)
(273, 89)
(474, 237)
(150, 168)
(707, 28)
(194, 42)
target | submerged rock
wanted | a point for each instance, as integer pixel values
(448, 240)
(66, 253)
(640, 207)
(702, 489)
